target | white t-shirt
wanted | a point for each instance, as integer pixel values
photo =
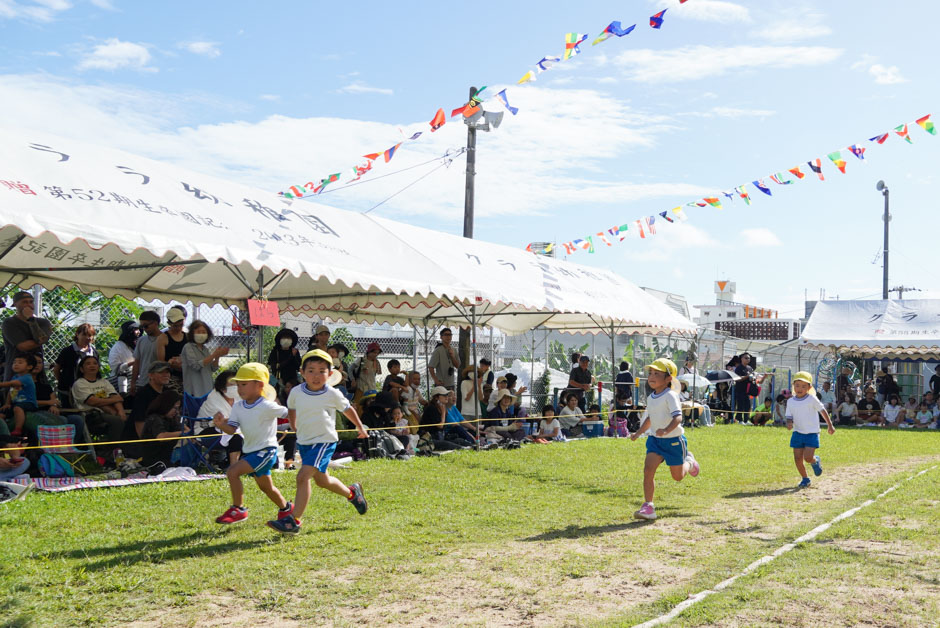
(412, 396)
(120, 355)
(82, 389)
(257, 422)
(569, 418)
(216, 402)
(804, 413)
(546, 428)
(316, 413)
(828, 397)
(891, 413)
(661, 409)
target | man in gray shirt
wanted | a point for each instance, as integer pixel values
(444, 362)
(145, 351)
(23, 332)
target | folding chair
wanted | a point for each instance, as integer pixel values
(80, 459)
(195, 451)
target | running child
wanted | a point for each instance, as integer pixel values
(312, 407)
(803, 411)
(256, 414)
(666, 443)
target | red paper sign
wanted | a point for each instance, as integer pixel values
(263, 313)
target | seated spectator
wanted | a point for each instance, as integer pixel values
(780, 411)
(432, 420)
(506, 415)
(65, 367)
(338, 352)
(869, 410)
(377, 415)
(158, 378)
(91, 392)
(471, 385)
(571, 417)
(827, 397)
(48, 401)
(924, 416)
(893, 412)
(12, 463)
(762, 413)
(121, 357)
(413, 399)
(402, 430)
(162, 422)
(457, 428)
(392, 379)
(910, 408)
(198, 363)
(931, 401)
(684, 391)
(719, 400)
(22, 398)
(618, 425)
(511, 379)
(223, 396)
(847, 411)
(284, 359)
(501, 384)
(549, 427)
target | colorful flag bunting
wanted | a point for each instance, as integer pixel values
(680, 214)
(415, 136)
(324, 182)
(714, 202)
(639, 226)
(294, 192)
(612, 29)
(651, 223)
(927, 125)
(742, 192)
(836, 158)
(778, 179)
(760, 185)
(391, 152)
(656, 21)
(728, 194)
(796, 171)
(571, 44)
(546, 64)
(361, 170)
(624, 231)
(857, 151)
(372, 156)
(505, 100)
(879, 138)
(816, 166)
(569, 248)
(902, 131)
(528, 76)
(603, 238)
(666, 216)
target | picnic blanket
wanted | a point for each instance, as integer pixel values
(58, 485)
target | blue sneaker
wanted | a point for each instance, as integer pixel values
(804, 483)
(817, 468)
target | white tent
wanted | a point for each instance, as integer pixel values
(908, 329)
(101, 219)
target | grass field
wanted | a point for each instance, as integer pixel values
(538, 536)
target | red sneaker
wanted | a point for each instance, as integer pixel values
(233, 515)
(286, 512)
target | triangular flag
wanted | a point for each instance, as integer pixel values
(680, 214)
(569, 248)
(529, 248)
(879, 138)
(571, 44)
(528, 76)
(927, 125)
(415, 136)
(505, 100)
(902, 131)
(603, 238)
(760, 185)
(361, 170)
(728, 194)
(372, 156)
(796, 171)
(546, 64)
(816, 166)
(778, 179)
(650, 222)
(639, 226)
(656, 21)
(714, 202)
(666, 216)
(613, 29)
(295, 192)
(857, 151)
(624, 231)
(391, 152)
(742, 192)
(438, 120)
(836, 158)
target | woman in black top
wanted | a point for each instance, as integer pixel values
(65, 367)
(163, 421)
(284, 359)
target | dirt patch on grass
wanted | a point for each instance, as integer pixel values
(217, 611)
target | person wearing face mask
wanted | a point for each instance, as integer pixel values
(284, 359)
(198, 362)
(223, 396)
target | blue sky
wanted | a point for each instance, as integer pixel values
(275, 94)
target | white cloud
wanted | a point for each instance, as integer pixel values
(207, 48)
(358, 87)
(698, 62)
(760, 237)
(270, 97)
(886, 75)
(39, 10)
(104, 4)
(734, 112)
(662, 246)
(705, 10)
(115, 54)
(807, 26)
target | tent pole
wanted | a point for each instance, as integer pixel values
(473, 351)
(259, 328)
(613, 371)
(414, 346)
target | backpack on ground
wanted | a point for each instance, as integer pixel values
(55, 466)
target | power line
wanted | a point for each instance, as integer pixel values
(426, 174)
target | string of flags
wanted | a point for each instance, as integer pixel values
(472, 109)
(646, 226)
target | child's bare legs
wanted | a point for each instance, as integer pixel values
(322, 480)
(649, 475)
(798, 459)
(679, 471)
(266, 484)
(235, 473)
(19, 419)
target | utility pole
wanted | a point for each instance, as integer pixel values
(902, 289)
(881, 187)
(463, 338)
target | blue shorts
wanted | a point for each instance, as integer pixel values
(317, 455)
(262, 461)
(673, 450)
(799, 440)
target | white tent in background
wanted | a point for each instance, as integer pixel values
(101, 219)
(885, 330)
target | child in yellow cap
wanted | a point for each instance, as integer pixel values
(666, 443)
(256, 414)
(803, 411)
(312, 412)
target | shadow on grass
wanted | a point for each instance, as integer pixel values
(575, 532)
(194, 545)
(21, 621)
(767, 493)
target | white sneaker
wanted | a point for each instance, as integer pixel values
(693, 464)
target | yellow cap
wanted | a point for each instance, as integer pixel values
(664, 365)
(803, 376)
(318, 353)
(256, 372)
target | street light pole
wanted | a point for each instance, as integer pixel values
(471, 172)
(881, 187)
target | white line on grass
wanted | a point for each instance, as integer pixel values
(809, 536)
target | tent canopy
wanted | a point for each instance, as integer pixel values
(908, 329)
(101, 219)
